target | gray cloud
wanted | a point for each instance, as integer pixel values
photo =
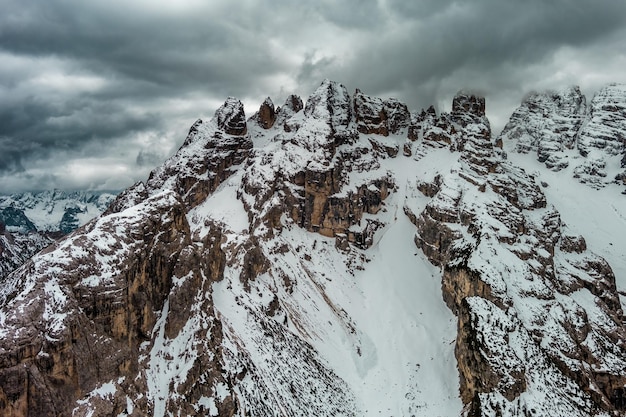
(94, 95)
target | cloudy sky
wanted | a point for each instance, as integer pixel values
(94, 94)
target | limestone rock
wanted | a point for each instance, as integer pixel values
(255, 279)
(563, 130)
(490, 272)
(606, 122)
(375, 116)
(331, 103)
(202, 163)
(231, 117)
(266, 116)
(293, 105)
(370, 114)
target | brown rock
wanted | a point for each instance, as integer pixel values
(266, 115)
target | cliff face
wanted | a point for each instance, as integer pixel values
(343, 257)
(565, 133)
(517, 278)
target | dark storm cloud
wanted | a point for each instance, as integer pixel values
(101, 91)
(478, 42)
(159, 49)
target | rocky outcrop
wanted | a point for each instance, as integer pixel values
(503, 253)
(375, 116)
(207, 157)
(564, 131)
(284, 115)
(606, 122)
(255, 280)
(266, 116)
(231, 117)
(17, 248)
(308, 177)
(370, 114)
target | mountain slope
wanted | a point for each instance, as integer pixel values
(31, 221)
(345, 257)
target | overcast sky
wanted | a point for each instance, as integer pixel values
(95, 94)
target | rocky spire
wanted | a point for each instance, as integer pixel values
(266, 116)
(231, 117)
(330, 102)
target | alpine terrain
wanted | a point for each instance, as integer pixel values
(342, 257)
(31, 221)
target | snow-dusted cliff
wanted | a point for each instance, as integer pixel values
(587, 141)
(339, 258)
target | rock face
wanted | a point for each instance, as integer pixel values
(17, 248)
(373, 115)
(309, 173)
(299, 264)
(566, 132)
(266, 116)
(508, 267)
(231, 117)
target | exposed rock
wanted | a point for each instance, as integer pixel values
(16, 220)
(17, 248)
(231, 117)
(84, 318)
(370, 114)
(375, 116)
(205, 160)
(293, 105)
(468, 104)
(606, 123)
(330, 103)
(491, 270)
(547, 123)
(553, 124)
(398, 115)
(266, 116)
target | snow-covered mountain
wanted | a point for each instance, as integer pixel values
(51, 211)
(565, 132)
(340, 258)
(31, 221)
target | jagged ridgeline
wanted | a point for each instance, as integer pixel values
(343, 257)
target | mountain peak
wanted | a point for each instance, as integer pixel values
(231, 117)
(465, 102)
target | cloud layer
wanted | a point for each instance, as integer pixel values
(95, 95)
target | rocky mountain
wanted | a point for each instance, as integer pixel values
(565, 132)
(31, 221)
(341, 258)
(17, 248)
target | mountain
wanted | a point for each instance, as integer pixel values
(343, 257)
(565, 132)
(31, 221)
(51, 211)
